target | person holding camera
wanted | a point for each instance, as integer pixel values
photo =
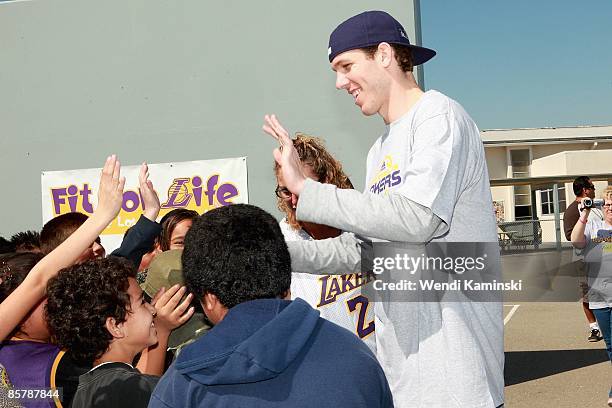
(594, 236)
(583, 188)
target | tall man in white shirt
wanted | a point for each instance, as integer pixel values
(427, 181)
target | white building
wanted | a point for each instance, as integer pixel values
(543, 157)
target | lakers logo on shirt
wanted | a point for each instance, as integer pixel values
(334, 285)
(388, 176)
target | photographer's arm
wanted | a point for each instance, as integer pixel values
(578, 237)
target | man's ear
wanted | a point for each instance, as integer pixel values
(213, 308)
(385, 54)
(209, 302)
(115, 330)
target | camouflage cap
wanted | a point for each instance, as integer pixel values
(166, 271)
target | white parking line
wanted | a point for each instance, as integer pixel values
(511, 313)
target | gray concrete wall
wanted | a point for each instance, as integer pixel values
(169, 81)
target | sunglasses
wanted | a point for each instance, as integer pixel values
(282, 192)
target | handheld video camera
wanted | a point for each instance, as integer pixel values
(590, 203)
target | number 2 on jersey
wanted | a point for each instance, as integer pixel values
(362, 303)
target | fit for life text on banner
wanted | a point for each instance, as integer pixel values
(196, 185)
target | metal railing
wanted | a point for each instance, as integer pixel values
(519, 236)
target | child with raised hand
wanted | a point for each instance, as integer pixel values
(27, 295)
(97, 311)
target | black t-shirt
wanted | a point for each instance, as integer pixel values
(114, 385)
(67, 377)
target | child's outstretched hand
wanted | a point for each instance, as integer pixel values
(171, 313)
(110, 192)
(148, 194)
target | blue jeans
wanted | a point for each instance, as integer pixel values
(604, 320)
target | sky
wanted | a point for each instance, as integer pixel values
(522, 64)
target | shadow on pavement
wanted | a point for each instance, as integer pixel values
(522, 366)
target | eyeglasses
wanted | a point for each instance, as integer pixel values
(282, 192)
(591, 187)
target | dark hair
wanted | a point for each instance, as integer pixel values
(581, 183)
(236, 253)
(403, 55)
(170, 221)
(312, 152)
(26, 241)
(13, 270)
(56, 230)
(81, 298)
(6, 246)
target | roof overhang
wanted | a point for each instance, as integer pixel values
(579, 134)
(546, 180)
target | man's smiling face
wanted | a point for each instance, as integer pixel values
(363, 78)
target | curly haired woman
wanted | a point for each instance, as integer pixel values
(337, 297)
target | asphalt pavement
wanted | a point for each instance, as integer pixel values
(549, 362)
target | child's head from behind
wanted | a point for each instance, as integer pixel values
(58, 229)
(97, 307)
(13, 270)
(235, 254)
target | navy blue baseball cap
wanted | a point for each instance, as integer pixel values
(371, 28)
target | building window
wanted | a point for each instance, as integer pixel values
(547, 205)
(520, 160)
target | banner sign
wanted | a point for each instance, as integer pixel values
(196, 185)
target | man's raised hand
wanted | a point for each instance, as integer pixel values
(285, 155)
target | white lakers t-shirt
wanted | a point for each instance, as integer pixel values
(338, 298)
(444, 354)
